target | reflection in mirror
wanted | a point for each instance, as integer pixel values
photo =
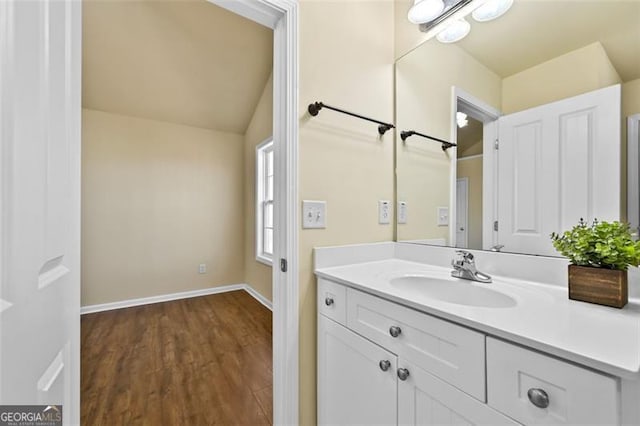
(553, 82)
(633, 171)
(468, 219)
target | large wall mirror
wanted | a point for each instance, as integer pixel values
(541, 103)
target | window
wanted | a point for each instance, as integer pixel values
(264, 199)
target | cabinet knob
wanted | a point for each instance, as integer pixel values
(538, 397)
(403, 374)
(385, 364)
(395, 331)
(328, 301)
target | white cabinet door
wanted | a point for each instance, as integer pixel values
(557, 163)
(39, 204)
(352, 386)
(423, 399)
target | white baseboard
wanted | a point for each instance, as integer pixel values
(176, 296)
(260, 298)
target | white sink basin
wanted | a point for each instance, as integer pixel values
(460, 292)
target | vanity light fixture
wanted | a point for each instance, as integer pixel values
(492, 9)
(455, 31)
(461, 119)
(425, 11)
(444, 19)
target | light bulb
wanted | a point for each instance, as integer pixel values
(492, 9)
(461, 119)
(425, 11)
(455, 31)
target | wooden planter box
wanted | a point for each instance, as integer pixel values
(596, 285)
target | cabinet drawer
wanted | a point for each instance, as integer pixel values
(451, 352)
(332, 300)
(575, 395)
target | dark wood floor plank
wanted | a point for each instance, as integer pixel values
(265, 398)
(198, 361)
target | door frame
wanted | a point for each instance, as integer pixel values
(465, 181)
(475, 107)
(282, 17)
(633, 171)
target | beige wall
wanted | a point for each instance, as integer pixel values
(471, 168)
(630, 98)
(257, 274)
(424, 103)
(346, 60)
(157, 200)
(574, 73)
(406, 35)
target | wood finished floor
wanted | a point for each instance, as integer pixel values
(199, 361)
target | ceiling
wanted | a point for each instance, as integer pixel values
(182, 61)
(469, 135)
(535, 31)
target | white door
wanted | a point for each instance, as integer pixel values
(462, 212)
(423, 399)
(39, 204)
(558, 163)
(356, 386)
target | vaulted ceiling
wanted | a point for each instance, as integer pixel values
(182, 61)
(535, 31)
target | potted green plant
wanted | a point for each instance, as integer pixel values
(600, 255)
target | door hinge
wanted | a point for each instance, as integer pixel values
(495, 226)
(496, 144)
(283, 265)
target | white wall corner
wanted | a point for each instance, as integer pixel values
(259, 297)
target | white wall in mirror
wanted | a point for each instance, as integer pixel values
(510, 64)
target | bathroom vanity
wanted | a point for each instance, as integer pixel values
(402, 342)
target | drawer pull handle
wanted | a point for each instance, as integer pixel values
(538, 397)
(395, 331)
(328, 301)
(385, 364)
(403, 374)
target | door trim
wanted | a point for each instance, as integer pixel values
(282, 17)
(465, 180)
(633, 172)
(475, 107)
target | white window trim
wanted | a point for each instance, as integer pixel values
(259, 201)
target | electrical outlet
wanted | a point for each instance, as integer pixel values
(384, 212)
(202, 268)
(402, 212)
(314, 214)
(443, 216)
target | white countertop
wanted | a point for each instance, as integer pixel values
(603, 338)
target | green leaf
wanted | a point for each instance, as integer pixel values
(603, 244)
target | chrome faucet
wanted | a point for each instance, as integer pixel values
(465, 267)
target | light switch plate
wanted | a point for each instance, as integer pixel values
(443, 216)
(384, 212)
(402, 212)
(314, 214)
